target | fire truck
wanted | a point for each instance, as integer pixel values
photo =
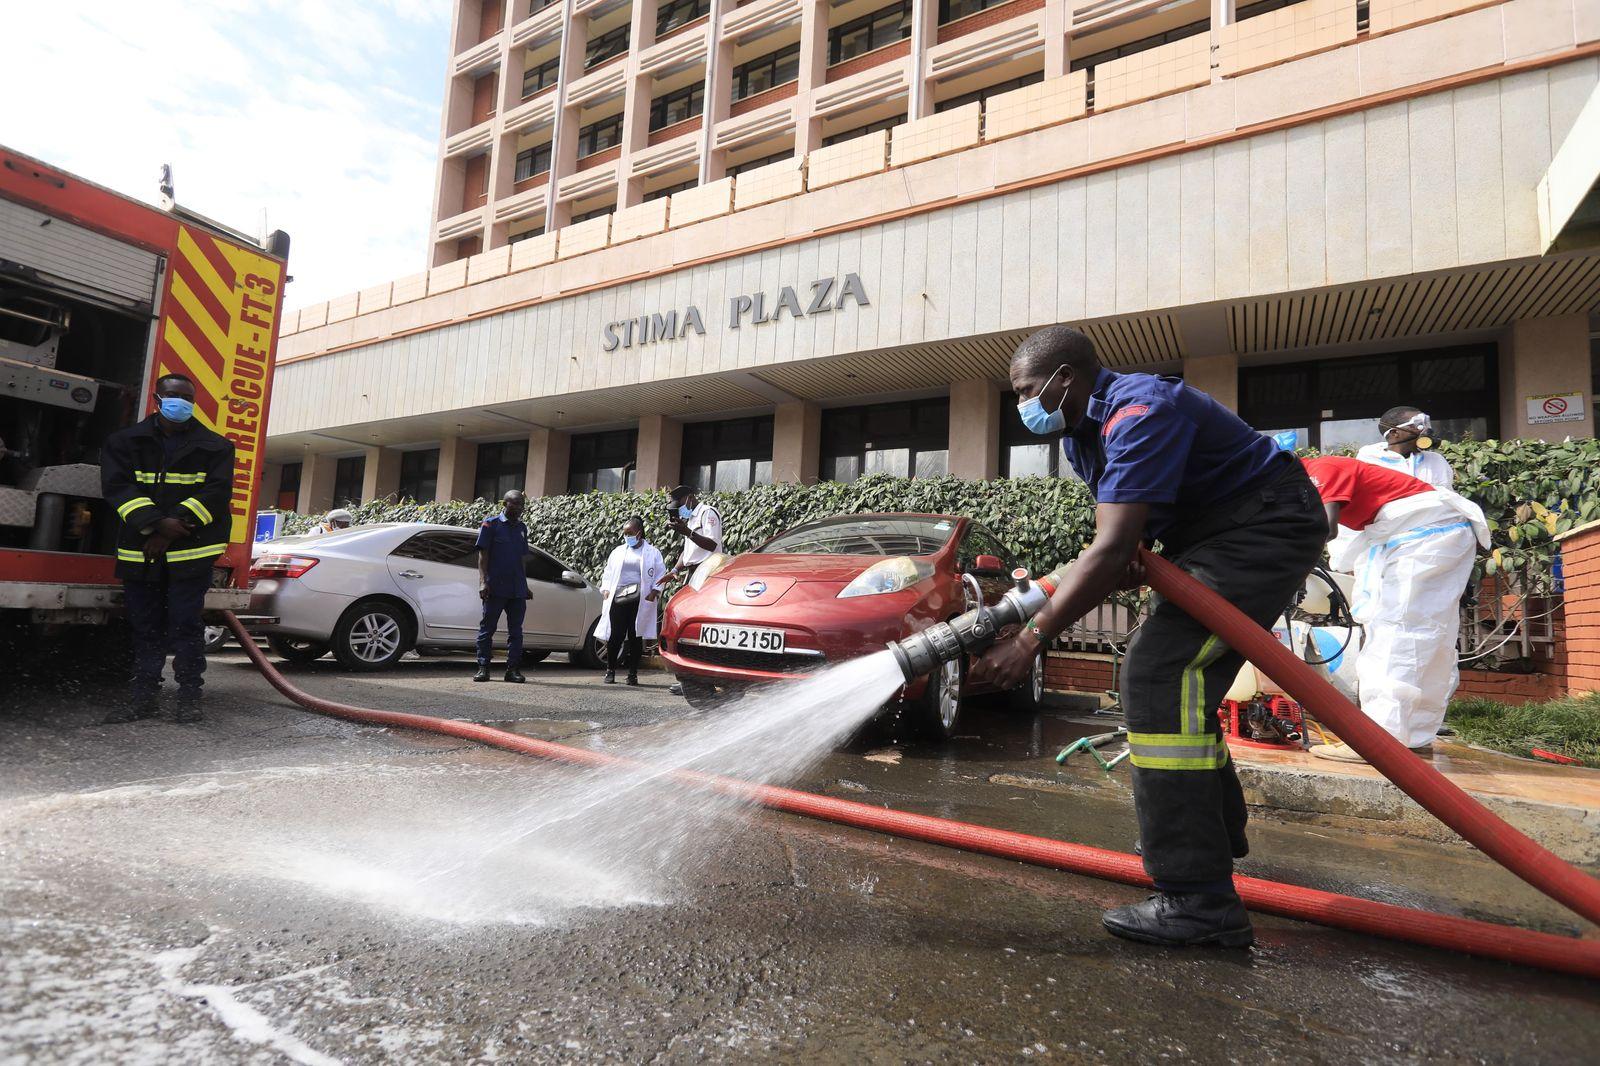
(100, 295)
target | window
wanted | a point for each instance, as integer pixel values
(501, 467)
(289, 487)
(540, 77)
(532, 161)
(537, 231)
(1192, 29)
(541, 567)
(903, 439)
(1024, 453)
(852, 535)
(608, 44)
(763, 72)
(678, 105)
(668, 190)
(603, 462)
(438, 546)
(727, 456)
(861, 131)
(751, 164)
(419, 475)
(950, 10)
(987, 91)
(599, 135)
(980, 541)
(858, 36)
(348, 475)
(536, 6)
(674, 13)
(1336, 402)
(596, 213)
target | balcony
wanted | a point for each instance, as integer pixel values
(987, 43)
(475, 139)
(762, 17)
(667, 153)
(756, 101)
(541, 26)
(982, 20)
(478, 58)
(676, 130)
(460, 225)
(684, 48)
(536, 111)
(744, 129)
(608, 80)
(867, 60)
(885, 78)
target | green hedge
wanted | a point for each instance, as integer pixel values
(1530, 490)
(1046, 519)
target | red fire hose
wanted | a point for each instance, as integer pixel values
(1416, 778)
(1506, 943)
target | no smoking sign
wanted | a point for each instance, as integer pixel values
(1557, 407)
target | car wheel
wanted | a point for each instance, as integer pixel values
(372, 635)
(216, 637)
(297, 650)
(534, 657)
(1030, 695)
(700, 695)
(940, 712)
(593, 654)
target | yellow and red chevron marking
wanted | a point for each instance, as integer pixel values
(219, 320)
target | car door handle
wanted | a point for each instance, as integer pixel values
(410, 573)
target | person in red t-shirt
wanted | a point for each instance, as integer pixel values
(1412, 555)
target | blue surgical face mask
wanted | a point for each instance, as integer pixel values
(633, 541)
(175, 408)
(685, 512)
(1036, 418)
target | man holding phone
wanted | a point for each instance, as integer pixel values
(701, 527)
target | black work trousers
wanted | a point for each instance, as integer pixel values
(165, 616)
(624, 623)
(1255, 550)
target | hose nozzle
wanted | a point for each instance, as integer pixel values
(973, 632)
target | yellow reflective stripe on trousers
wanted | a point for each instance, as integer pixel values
(1192, 689)
(133, 505)
(134, 555)
(1177, 751)
(198, 508)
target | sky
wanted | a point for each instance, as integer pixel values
(320, 117)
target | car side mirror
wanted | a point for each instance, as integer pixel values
(988, 566)
(573, 579)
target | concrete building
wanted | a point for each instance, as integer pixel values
(731, 242)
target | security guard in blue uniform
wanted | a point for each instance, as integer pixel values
(1167, 462)
(503, 584)
(169, 480)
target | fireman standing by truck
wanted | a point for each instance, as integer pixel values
(169, 479)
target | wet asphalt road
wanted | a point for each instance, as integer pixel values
(199, 893)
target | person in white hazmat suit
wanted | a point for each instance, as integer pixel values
(1411, 553)
(1406, 448)
(631, 587)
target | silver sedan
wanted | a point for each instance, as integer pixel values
(373, 593)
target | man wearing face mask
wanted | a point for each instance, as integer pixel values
(1406, 448)
(503, 584)
(169, 480)
(700, 524)
(1167, 462)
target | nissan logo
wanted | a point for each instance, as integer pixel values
(754, 589)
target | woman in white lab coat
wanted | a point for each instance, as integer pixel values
(631, 587)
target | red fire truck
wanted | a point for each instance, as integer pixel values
(101, 294)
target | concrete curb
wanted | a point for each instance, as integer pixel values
(1358, 803)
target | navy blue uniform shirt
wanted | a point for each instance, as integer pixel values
(1154, 440)
(505, 542)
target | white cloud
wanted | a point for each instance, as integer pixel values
(322, 114)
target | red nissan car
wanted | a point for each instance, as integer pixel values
(834, 589)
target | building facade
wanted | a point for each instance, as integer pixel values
(729, 243)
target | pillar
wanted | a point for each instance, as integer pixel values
(271, 483)
(549, 455)
(660, 453)
(1057, 35)
(564, 137)
(640, 88)
(796, 442)
(316, 483)
(381, 474)
(1545, 357)
(458, 468)
(719, 94)
(813, 73)
(924, 34)
(975, 430)
(1215, 375)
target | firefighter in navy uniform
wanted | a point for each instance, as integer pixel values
(169, 480)
(1167, 462)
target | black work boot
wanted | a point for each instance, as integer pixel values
(188, 708)
(633, 677)
(1183, 919)
(611, 677)
(514, 675)
(135, 709)
(1241, 847)
(483, 672)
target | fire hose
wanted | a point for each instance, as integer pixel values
(1505, 943)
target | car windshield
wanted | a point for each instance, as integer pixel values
(864, 536)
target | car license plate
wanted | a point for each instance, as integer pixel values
(742, 638)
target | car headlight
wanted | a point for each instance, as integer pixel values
(890, 575)
(707, 567)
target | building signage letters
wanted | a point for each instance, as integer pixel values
(825, 295)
